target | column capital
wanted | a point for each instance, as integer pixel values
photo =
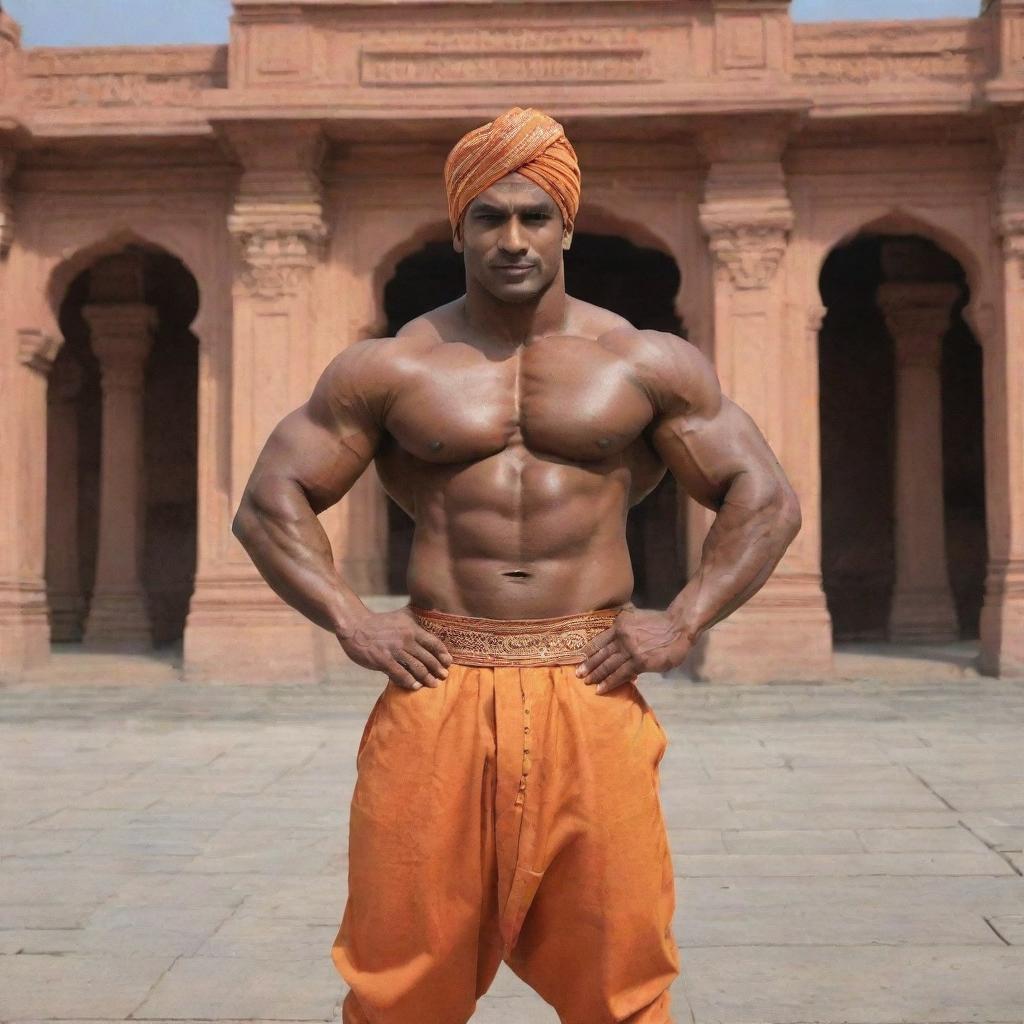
(121, 334)
(747, 241)
(277, 219)
(918, 314)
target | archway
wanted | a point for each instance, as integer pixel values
(901, 414)
(636, 282)
(121, 495)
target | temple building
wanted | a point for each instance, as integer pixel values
(833, 213)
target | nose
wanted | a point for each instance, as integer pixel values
(512, 242)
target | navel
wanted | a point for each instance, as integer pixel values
(435, 446)
(604, 442)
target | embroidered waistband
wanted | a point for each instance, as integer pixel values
(517, 642)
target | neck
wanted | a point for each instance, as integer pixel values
(516, 323)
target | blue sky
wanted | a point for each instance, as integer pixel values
(109, 22)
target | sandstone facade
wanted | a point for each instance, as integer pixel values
(833, 212)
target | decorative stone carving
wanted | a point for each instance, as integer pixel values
(850, 53)
(136, 76)
(1011, 228)
(749, 251)
(816, 320)
(276, 259)
(37, 349)
(277, 221)
(918, 315)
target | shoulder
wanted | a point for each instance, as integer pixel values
(355, 384)
(677, 377)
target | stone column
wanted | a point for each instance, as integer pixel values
(1002, 616)
(63, 585)
(238, 629)
(121, 340)
(918, 317)
(784, 631)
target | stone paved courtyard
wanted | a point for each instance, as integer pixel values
(848, 852)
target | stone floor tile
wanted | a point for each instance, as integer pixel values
(868, 984)
(77, 986)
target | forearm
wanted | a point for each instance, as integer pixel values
(756, 523)
(288, 545)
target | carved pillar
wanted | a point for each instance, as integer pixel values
(237, 627)
(785, 630)
(24, 620)
(1002, 617)
(918, 317)
(121, 340)
(63, 585)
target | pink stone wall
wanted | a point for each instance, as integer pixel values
(293, 171)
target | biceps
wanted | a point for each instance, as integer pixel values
(705, 455)
(323, 462)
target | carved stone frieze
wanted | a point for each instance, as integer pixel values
(161, 77)
(37, 349)
(848, 53)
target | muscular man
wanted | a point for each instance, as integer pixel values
(506, 804)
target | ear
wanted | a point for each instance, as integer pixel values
(566, 239)
(457, 241)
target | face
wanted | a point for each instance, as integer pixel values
(514, 222)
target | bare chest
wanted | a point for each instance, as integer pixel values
(564, 396)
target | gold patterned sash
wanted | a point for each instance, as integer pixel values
(518, 642)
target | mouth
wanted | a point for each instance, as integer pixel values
(514, 268)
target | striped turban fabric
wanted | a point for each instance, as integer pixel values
(527, 141)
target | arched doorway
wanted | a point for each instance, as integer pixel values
(639, 284)
(121, 494)
(903, 497)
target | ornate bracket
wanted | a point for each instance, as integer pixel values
(1011, 227)
(749, 249)
(275, 260)
(37, 349)
(277, 221)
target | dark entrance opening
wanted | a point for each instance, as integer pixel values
(168, 482)
(857, 361)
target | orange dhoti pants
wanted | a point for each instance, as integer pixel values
(511, 813)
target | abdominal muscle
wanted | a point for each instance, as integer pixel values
(516, 536)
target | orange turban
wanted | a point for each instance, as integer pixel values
(527, 141)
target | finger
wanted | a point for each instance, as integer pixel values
(401, 676)
(619, 678)
(434, 667)
(599, 644)
(599, 658)
(435, 645)
(599, 641)
(608, 666)
(417, 668)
